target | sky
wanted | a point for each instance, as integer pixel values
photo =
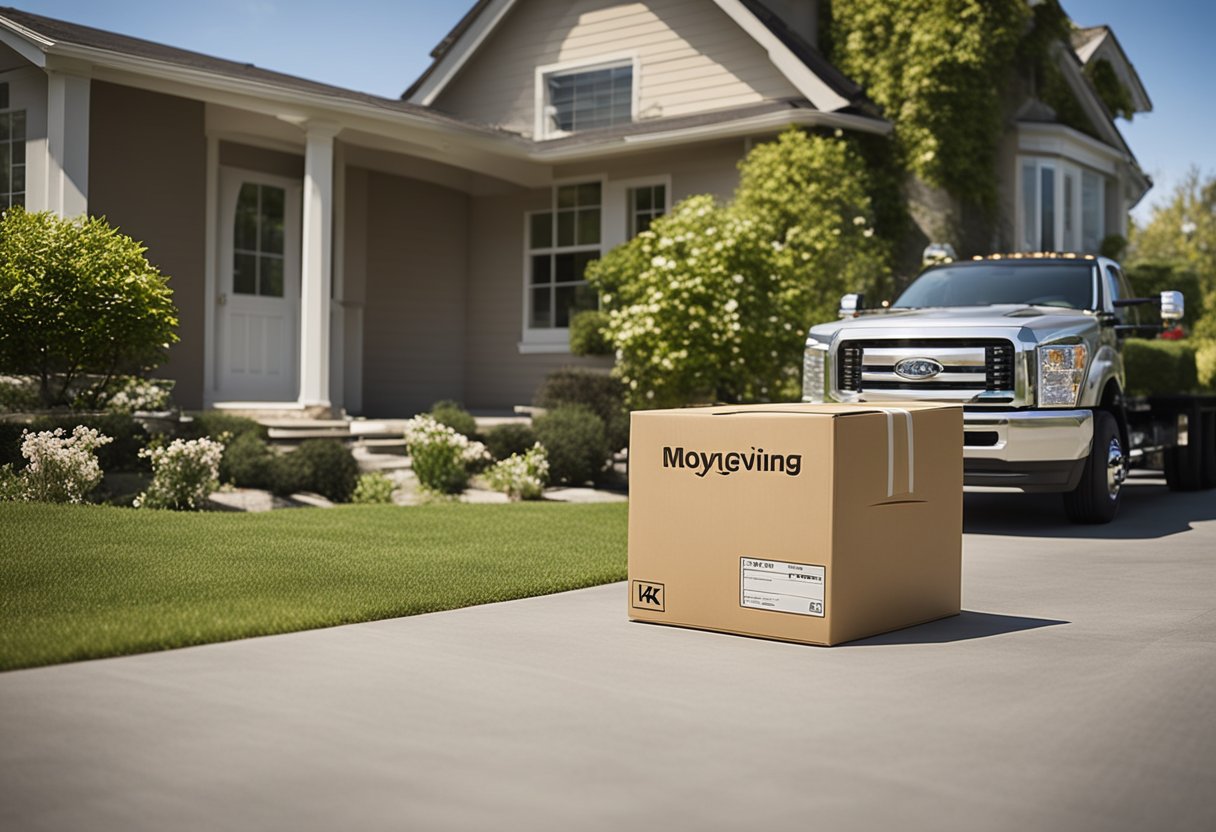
(381, 46)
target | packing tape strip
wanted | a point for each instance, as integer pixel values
(891, 411)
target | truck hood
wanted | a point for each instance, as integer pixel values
(1005, 316)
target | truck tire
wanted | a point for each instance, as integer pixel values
(1207, 475)
(1184, 468)
(1097, 496)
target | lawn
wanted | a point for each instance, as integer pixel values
(82, 582)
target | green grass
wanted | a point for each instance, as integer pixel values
(82, 582)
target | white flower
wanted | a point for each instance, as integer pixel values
(738, 278)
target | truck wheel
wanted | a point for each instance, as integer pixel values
(1096, 497)
(1184, 465)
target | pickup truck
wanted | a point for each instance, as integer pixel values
(1031, 347)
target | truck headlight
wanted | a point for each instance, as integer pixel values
(1061, 371)
(814, 372)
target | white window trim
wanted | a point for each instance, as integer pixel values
(1062, 168)
(617, 207)
(541, 128)
(552, 340)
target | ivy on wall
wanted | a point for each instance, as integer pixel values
(1110, 89)
(943, 72)
(938, 69)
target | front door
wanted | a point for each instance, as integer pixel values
(259, 288)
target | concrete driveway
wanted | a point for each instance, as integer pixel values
(1078, 692)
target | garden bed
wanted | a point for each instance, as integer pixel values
(84, 582)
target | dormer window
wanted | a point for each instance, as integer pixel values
(585, 97)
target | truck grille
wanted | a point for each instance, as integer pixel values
(972, 365)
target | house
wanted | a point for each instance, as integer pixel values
(331, 249)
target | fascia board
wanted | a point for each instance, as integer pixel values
(460, 52)
(786, 62)
(25, 42)
(744, 127)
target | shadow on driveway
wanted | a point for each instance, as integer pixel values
(962, 627)
(1149, 510)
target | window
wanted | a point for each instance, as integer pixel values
(645, 204)
(561, 242)
(586, 99)
(1116, 289)
(12, 153)
(257, 242)
(1052, 210)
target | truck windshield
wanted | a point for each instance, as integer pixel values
(1068, 285)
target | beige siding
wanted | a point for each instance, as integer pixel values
(147, 175)
(691, 56)
(414, 320)
(263, 160)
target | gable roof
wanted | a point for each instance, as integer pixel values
(1094, 43)
(824, 86)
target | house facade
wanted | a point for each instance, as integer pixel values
(333, 250)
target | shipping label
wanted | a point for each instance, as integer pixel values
(781, 587)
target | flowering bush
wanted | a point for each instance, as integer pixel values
(60, 469)
(521, 476)
(139, 394)
(441, 457)
(183, 474)
(713, 302)
(373, 489)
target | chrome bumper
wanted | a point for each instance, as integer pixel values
(1028, 435)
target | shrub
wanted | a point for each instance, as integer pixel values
(588, 333)
(127, 438)
(602, 394)
(1205, 364)
(248, 462)
(18, 394)
(59, 469)
(183, 474)
(134, 393)
(454, 415)
(322, 466)
(1159, 367)
(76, 298)
(374, 488)
(712, 303)
(510, 438)
(216, 423)
(521, 476)
(441, 457)
(575, 444)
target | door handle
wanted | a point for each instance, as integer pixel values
(222, 300)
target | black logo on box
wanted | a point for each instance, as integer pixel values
(648, 596)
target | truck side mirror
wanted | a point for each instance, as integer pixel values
(1172, 306)
(851, 305)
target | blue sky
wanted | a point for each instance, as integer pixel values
(380, 46)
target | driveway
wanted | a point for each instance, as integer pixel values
(1077, 692)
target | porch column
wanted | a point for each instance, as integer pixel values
(67, 142)
(316, 266)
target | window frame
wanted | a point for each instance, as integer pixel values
(6, 196)
(631, 212)
(553, 339)
(541, 123)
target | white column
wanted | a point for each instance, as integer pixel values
(67, 140)
(316, 265)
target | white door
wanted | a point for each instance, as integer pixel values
(259, 288)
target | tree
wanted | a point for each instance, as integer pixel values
(713, 302)
(1181, 233)
(77, 298)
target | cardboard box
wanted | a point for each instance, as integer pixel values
(815, 523)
